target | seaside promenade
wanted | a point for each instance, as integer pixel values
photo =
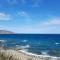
(11, 54)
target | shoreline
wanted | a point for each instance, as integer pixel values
(24, 55)
(32, 54)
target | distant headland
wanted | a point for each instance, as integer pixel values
(6, 32)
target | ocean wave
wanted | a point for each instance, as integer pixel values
(43, 56)
(57, 43)
(23, 53)
(24, 41)
(3, 41)
(36, 55)
(26, 46)
(22, 47)
(28, 53)
(44, 52)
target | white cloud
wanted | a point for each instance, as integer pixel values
(48, 27)
(51, 26)
(23, 13)
(54, 21)
(4, 16)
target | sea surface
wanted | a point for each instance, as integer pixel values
(41, 44)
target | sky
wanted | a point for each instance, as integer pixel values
(30, 16)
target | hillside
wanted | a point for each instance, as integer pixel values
(6, 32)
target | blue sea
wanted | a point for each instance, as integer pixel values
(35, 43)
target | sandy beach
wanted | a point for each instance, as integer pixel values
(11, 54)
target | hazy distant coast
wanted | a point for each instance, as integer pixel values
(6, 32)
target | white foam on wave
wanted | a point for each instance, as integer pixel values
(24, 41)
(44, 53)
(22, 47)
(26, 46)
(57, 43)
(17, 45)
(28, 53)
(36, 55)
(3, 41)
(32, 54)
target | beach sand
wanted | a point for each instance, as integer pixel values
(11, 54)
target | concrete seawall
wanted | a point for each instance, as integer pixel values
(10, 54)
